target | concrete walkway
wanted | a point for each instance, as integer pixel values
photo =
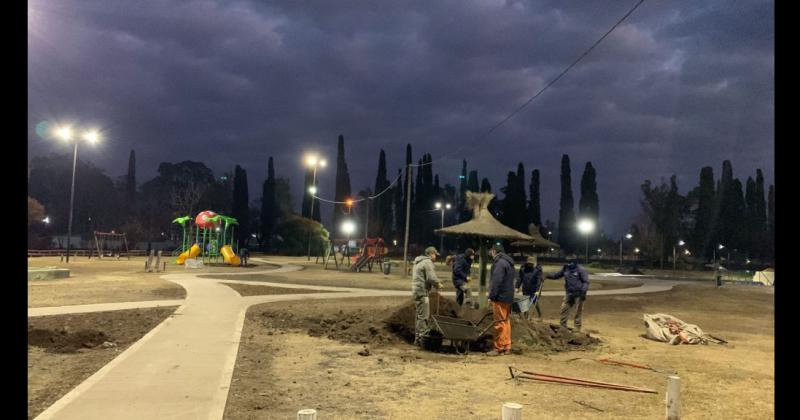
(182, 368)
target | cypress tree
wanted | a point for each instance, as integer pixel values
(486, 186)
(269, 207)
(508, 216)
(737, 216)
(725, 206)
(342, 186)
(702, 237)
(130, 183)
(771, 221)
(473, 185)
(382, 205)
(534, 202)
(520, 218)
(241, 208)
(566, 212)
(417, 206)
(751, 219)
(461, 205)
(588, 206)
(399, 210)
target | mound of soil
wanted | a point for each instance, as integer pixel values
(524, 334)
(64, 341)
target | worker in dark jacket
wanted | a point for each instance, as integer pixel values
(462, 266)
(576, 284)
(501, 296)
(529, 281)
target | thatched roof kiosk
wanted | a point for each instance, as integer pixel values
(483, 226)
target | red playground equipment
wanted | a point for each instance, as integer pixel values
(373, 250)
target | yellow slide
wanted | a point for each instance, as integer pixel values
(191, 253)
(229, 256)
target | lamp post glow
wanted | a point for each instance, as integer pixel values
(313, 161)
(439, 206)
(586, 226)
(348, 227)
(92, 137)
(675, 254)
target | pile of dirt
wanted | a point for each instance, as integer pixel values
(524, 334)
(64, 341)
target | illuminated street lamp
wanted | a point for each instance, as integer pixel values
(586, 226)
(46, 220)
(65, 134)
(313, 161)
(675, 255)
(442, 208)
(348, 227)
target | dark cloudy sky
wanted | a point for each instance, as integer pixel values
(680, 85)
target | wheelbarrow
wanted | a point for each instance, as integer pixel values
(460, 332)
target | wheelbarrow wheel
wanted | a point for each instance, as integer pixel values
(432, 341)
(461, 346)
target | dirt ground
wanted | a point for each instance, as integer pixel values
(284, 366)
(64, 350)
(111, 280)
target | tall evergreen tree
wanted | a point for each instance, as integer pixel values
(566, 211)
(725, 207)
(486, 186)
(417, 206)
(520, 218)
(269, 207)
(399, 210)
(534, 201)
(461, 205)
(343, 191)
(760, 214)
(241, 205)
(473, 185)
(702, 237)
(589, 204)
(406, 197)
(130, 183)
(751, 245)
(382, 205)
(507, 207)
(771, 222)
(738, 238)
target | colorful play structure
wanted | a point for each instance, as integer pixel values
(373, 250)
(211, 238)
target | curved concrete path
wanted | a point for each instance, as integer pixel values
(182, 368)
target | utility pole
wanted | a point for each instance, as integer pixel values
(366, 223)
(408, 218)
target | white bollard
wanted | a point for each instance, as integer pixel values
(158, 261)
(307, 414)
(673, 398)
(512, 411)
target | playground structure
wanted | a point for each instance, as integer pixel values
(109, 244)
(211, 238)
(373, 250)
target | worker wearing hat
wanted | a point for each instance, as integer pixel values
(462, 266)
(529, 282)
(576, 284)
(423, 279)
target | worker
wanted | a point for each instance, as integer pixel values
(501, 296)
(576, 284)
(529, 282)
(462, 267)
(423, 279)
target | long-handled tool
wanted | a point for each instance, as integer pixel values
(607, 361)
(521, 374)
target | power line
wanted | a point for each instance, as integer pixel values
(361, 199)
(551, 83)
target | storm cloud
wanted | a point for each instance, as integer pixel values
(678, 86)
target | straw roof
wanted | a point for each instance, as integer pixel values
(538, 240)
(483, 224)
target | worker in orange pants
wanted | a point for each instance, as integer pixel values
(501, 294)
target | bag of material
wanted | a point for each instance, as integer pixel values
(667, 328)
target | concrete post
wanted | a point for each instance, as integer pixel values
(512, 411)
(673, 397)
(148, 267)
(158, 261)
(307, 414)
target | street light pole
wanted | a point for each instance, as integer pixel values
(311, 215)
(71, 199)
